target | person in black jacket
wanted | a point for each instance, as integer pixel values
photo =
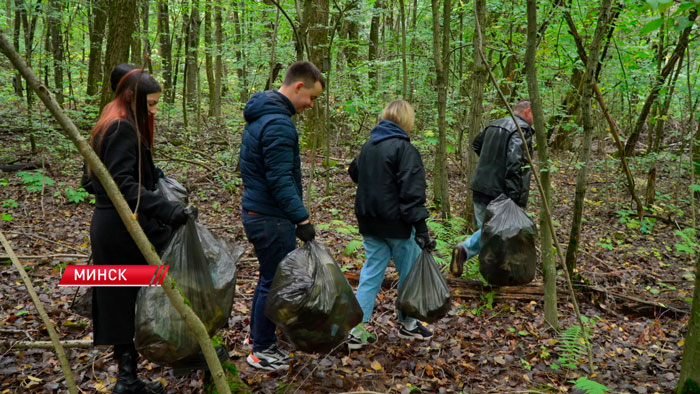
(391, 213)
(273, 207)
(501, 169)
(123, 139)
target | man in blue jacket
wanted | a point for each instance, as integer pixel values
(273, 208)
(502, 168)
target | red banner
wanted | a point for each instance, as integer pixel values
(114, 275)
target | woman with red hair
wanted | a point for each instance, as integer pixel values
(123, 139)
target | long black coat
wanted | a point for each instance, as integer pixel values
(113, 307)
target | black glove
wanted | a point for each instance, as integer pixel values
(306, 232)
(423, 240)
(192, 212)
(179, 216)
(159, 172)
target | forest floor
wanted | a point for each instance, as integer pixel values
(489, 342)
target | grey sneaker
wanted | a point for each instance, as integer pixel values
(417, 332)
(270, 359)
(360, 337)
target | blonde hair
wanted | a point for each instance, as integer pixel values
(401, 113)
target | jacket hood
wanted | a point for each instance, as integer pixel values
(265, 103)
(387, 129)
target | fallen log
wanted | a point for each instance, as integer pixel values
(43, 344)
(20, 167)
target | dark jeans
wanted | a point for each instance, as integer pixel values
(272, 238)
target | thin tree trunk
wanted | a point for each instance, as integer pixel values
(588, 131)
(273, 53)
(478, 83)
(145, 13)
(192, 63)
(130, 221)
(209, 60)
(97, 32)
(441, 57)
(57, 47)
(218, 65)
(404, 65)
(240, 69)
(166, 52)
(17, 28)
(136, 51)
(548, 265)
(373, 50)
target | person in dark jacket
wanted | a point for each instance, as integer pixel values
(391, 213)
(501, 169)
(273, 208)
(123, 139)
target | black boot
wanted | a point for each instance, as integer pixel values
(128, 382)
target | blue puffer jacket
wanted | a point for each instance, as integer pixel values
(270, 163)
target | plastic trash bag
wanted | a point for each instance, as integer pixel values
(172, 190)
(204, 267)
(311, 300)
(508, 256)
(424, 294)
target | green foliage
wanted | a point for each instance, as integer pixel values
(353, 246)
(35, 181)
(447, 235)
(76, 195)
(689, 241)
(590, 386)
(571, 348)
(690, 386)
(9, 203)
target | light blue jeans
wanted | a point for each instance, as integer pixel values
(473, 244)
(378, 252)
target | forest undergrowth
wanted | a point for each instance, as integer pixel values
(638, 282)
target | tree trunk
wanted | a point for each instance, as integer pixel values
(478, 83)
(404, 65)
(274, 66)
(57, 47)
(97, 32)
(588, 131)
(373, 51)
(209, 60)
(659, 83)
(166, 51)
(136, 51)
(241, 71)
(191, 62)
(689, 380)
(548, 265)
(441, 57)
(121, 23)
(145, 13)
(17, 82)
(218, 65)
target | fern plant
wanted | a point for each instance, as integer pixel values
(571, 348)
(590, 386)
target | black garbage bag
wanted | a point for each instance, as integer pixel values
(172, 190)
(311, 300)
(204, 268)
(508, 256)
(424, 294)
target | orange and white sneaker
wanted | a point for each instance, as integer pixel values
(270, 359)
